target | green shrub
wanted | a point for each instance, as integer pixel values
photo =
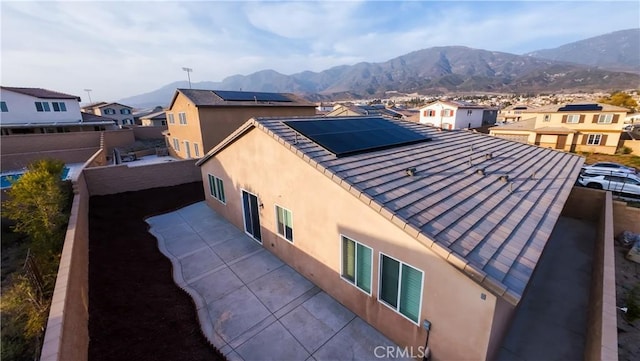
(624, 150)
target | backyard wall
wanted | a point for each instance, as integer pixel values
(149, 132)
(122, 178)
(633, 144)
(625, 218)
(67, 334)
(21, 160)
(602, 333)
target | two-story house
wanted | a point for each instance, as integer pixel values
(450, 114)
(512, 113)
(36, 110)
(581, 127)
(122, 114)
(199, 119)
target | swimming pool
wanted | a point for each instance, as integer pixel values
(7, 179)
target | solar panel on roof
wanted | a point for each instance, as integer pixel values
(350, 136)
(251, 96)
(579, 107)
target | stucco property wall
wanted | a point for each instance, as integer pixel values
(118, 138)
(149, 132)
(21, 160)
(122, 178)
(633, 144)
(322, 211)
(625, 218)
(67, 333)
(28, 143)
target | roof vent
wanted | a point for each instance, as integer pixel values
(480, 171)
(533, 175)
(411, 171)
(488, 155)
(504, 178)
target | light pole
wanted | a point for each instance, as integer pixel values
(89, 94)
(188, 70)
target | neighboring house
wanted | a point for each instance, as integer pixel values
(324, 108)
(511, 113)
(137, 114)
(450, 114)
(197, 120)
(577, 127)
(341, 110)
(122, 114)
(36, 110)
(407, 226)
(632, 118)
(156, 119)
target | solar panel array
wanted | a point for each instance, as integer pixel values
(350, 136)
(229, 95)
(580, 108)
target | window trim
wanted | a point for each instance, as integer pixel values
(172, 119)
(609, 115)
(196, 150)
(275, 207)
(594, 135)
(217, 190)
(176, 144)
(355, 282)
(182, 118)
(571, 116)
(380, 300)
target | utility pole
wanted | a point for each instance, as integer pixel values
(188, 70)
(89, 94)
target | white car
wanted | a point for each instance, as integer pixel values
(607, 168)
(626, 184)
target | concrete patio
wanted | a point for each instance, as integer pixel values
(250, 304)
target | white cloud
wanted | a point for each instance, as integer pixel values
(121, 49)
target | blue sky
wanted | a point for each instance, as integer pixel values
(120, 49)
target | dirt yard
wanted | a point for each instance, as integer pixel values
(136, 312)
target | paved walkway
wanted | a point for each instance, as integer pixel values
(250, 304)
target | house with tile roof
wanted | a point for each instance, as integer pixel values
(198, 119)
(455, 114)
(155, 119)
(574, 127)
(122, 114)
(341, 110)
(36, 110)
(402, 223)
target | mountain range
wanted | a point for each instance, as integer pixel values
(603, 63)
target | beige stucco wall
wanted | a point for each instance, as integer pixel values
(462, 322)
(633, 144)
(67, 333)
(625, 218)
(149, 132)
(207, 126)
(122, 178)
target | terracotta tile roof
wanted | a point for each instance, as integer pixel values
(41, 93)
(493, 231)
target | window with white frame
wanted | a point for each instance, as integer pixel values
(59, 106)
(172, 120)
(594, 139)
(400, 287)
(183, 118)
(357, 262)
(125, 111)
(42, 107)
(196, 150)
(605, 118)
(573, 118)
(447, 112)
(176, 144)
(3, 107)
(429, 113)
(109, 111)
(216, 188)
(284, 223)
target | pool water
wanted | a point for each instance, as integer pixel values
(7, 179)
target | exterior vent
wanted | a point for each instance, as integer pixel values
(411, 171)
(480, 171)
(488, 156)
(533, 175)
(504, 178)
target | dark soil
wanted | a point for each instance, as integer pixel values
(136, 311)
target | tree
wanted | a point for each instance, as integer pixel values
(36, 203)
(620, 99)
